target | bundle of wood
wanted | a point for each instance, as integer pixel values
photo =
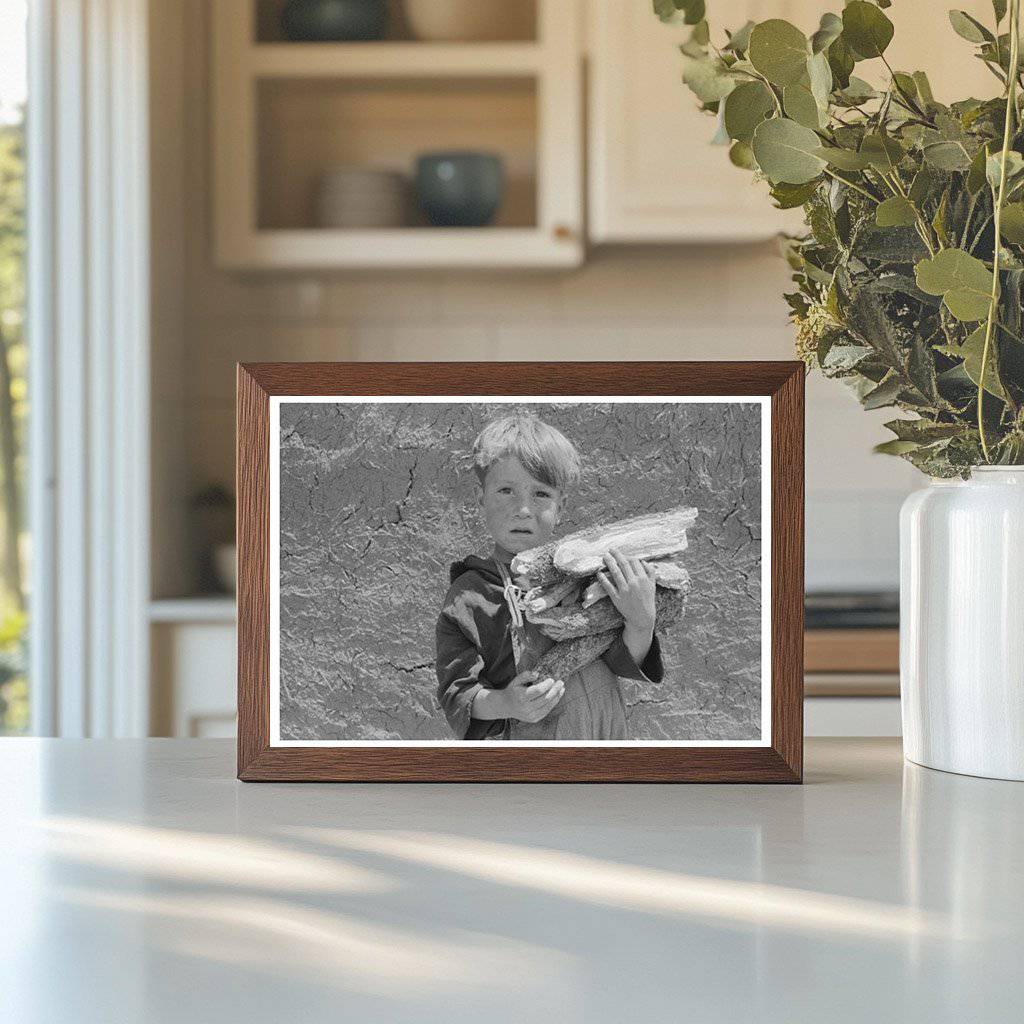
(568, 605)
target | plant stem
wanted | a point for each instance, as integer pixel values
(768, 86)
(1012, 334)
(907, 99)
(1011, 107)
(853, 185)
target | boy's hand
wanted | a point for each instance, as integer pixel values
(530, 701)
(630, 585)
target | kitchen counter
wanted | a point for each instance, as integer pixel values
(140, 882)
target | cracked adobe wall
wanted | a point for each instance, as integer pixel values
(377, 500)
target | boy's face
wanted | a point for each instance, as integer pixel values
(521, 511)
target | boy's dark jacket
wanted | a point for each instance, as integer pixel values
(474, 647)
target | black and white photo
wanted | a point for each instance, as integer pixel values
(532, 570)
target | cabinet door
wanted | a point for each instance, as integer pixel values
(653, 174)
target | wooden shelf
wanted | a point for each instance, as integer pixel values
(852, 650)
(319, 248)
(392, 60)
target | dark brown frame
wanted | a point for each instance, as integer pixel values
(782, 761)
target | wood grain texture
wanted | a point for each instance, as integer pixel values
(787, 570)
(496, 762)
(252, 486)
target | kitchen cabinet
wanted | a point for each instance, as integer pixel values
(653, 175)
(287, 114)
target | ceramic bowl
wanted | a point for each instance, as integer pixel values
(332, 21)
(360, 197)
(470, 20)
(460, 189)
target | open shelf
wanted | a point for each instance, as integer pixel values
(519, 25)
(309, 127)
(286, 114)
(387, 60)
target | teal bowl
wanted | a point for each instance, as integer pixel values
(334, 21)
(460, 189)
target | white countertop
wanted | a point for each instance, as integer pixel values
(140, 882)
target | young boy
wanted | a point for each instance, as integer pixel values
(525, 468)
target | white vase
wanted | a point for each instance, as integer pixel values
(962, 624)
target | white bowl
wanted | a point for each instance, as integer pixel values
(362, 198)
(471, 20)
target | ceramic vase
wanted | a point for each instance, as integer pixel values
(962, 624)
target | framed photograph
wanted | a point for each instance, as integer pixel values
(518, 572)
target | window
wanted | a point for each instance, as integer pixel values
(14, 690)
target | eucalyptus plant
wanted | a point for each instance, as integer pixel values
(902, 291)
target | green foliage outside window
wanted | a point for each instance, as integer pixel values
(13, 413)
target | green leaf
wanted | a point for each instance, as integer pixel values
(693, 10)
(924, 88)
(969, 28)
(666, 10)
(923, 431)
(963, 281)
(829, 29)
(739, 41)
(701, 34)
(882, 151)
(857, 91)
(866, 29)
(779, 51)
(922, 185)
(707, 79)
(844, 159)
(819, 75)
(741, 155)
(788, 196)
(906, 84)
(971, 352)
(689, 12)
(745, 108)
(786, 151)
(939, 220)
(889, 245)
(1011, 225)
(895, 212)
(976, 173)
(999, 9)
(885, 394)
(895, 447)
(947, 156)
(842, 358)
(840, 62)
(1014, 166)
(801, 106)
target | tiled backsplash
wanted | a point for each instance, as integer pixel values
(714, 303)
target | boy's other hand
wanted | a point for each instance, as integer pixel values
(531, 701)
(630, 585)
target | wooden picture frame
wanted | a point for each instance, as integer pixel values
(778, 386)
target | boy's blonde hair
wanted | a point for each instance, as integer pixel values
(545, 452)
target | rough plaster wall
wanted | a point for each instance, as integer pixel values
(377, 500)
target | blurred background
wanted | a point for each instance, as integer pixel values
(362, 180)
